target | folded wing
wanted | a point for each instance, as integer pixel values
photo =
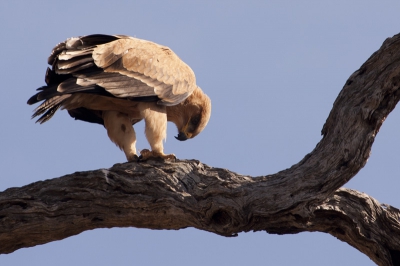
(114, 66)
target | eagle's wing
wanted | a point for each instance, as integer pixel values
(125, 67)
(164, 73)
(113, 65)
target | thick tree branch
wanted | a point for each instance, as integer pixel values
(186, 194)
(305, 197)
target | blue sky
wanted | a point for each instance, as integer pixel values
(272, 69)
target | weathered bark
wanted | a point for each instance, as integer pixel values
(305, 197)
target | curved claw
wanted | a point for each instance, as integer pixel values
(147, 155)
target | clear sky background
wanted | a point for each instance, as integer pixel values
(272, 69)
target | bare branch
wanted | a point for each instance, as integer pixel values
(186, 194)
(305, 197)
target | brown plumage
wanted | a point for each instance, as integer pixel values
(116, 81)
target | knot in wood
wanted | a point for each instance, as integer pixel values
(221, 218)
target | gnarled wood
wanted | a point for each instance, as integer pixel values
(305, 197)
(187, 194)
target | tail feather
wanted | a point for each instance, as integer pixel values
(49, 107)
(49, 114)
(45, 92)
(34, 99)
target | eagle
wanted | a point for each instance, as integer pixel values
(117, 81)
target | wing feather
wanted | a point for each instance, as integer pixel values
(75, 69)
(68, 54)
(116, 66)
(74, 61)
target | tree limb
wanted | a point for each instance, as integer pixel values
(186, 194)
(305, 197)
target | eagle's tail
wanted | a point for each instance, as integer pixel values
(51, 97)
(48, 108)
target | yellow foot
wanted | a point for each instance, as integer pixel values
(147, 155)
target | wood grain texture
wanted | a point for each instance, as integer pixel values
(173, 195)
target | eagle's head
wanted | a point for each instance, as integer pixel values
(191, 116)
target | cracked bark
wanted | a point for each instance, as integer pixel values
(306, 197)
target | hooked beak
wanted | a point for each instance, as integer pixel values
(181, 136)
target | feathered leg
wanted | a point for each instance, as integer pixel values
(120, 131)
(155, 118)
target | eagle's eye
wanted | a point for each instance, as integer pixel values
(195, 120)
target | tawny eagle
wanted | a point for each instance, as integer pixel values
(116, 81)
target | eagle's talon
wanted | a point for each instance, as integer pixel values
(147, 155)
(133, 158)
